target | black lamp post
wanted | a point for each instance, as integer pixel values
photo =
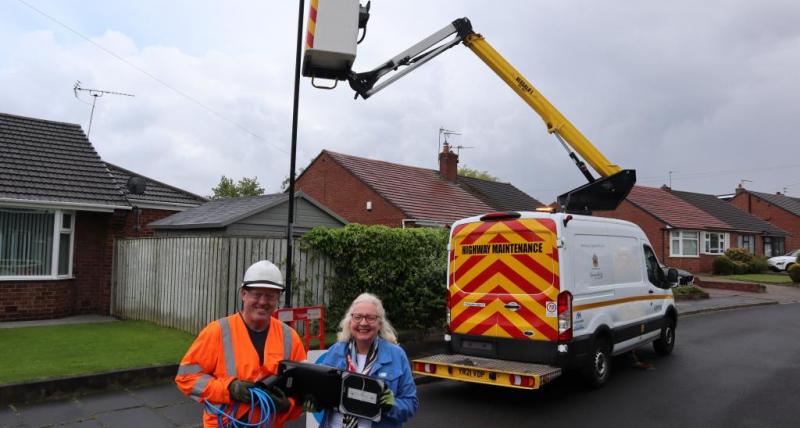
(293, 156)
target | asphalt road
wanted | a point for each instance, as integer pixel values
(729, 369)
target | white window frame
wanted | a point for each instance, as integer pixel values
(723, 238)
(58, 229)
(681, 236)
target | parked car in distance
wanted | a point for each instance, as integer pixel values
(684, 276)
(782, 263)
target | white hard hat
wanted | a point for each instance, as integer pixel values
(263, 274)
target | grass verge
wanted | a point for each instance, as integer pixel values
(35, 353)
(769, 278)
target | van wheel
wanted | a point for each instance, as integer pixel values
(664, 344)
(598, 368)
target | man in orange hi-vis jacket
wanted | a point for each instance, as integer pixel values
(232, 353)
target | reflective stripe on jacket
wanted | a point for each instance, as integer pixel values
(223, 352)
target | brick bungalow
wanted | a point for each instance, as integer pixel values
(61, 207)
(751, 233)
(369, 191)
(781, 210)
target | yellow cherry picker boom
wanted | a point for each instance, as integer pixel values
(333, 29)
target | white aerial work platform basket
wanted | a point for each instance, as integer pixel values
(331, 39)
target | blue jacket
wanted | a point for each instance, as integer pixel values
(393, 367)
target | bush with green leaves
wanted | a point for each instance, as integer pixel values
(406, 268)
(739, 255)
(723, 266)
(759, 264)
(740, 268)
(794, 272)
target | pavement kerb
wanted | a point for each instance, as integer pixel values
(725, 308)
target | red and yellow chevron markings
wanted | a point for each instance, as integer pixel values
(496, 263)
(311, 27)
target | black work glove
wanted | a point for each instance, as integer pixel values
(240, 390)
(279, 398)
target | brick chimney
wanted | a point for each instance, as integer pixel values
(739, 188)
(448, 164)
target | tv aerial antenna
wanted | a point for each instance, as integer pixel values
(95, 93)
(445, 133)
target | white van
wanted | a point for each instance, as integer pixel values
(531, 294)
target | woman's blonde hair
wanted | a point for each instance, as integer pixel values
(386, 331)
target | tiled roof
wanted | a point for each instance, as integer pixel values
(157, 194)
(223, 212)
(673, 210)
(219, 213)
(729, 214)
(786, 202)
(52, 162)
(422, 194)
(500, 196)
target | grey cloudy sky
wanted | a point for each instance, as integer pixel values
(708, 90)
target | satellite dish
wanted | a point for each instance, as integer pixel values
(136, 185)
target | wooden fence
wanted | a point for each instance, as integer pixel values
(186, 282)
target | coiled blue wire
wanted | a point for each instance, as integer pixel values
(259, 399)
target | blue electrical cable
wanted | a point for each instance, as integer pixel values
(258, 399)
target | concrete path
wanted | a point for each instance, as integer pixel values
(163, 406)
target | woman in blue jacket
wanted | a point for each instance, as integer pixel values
(367, 344)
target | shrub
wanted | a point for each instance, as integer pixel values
(723, 266)
(794, 272)
(406, 268)
(758, 265)
(740, 268)
(739, 255)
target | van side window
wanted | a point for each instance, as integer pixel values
(654, 272)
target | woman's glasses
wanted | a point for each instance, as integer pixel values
(361, 317)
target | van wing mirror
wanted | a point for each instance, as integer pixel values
(672, 277)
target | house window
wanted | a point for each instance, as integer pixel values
(684, 243)
(35, 244)
(773, 246)
(715, 242)
(748, 242)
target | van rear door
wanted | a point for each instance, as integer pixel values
(503, 279)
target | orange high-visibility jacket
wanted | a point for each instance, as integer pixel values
(223, 352)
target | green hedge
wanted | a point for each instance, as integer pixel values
(406, 268)
(739, 261)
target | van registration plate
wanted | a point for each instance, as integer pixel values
(472, 373)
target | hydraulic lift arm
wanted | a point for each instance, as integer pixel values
(605, 193)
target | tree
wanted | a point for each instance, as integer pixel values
(228, 189)
(285, 182)
(474, 173)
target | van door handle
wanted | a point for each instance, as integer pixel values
(650, 291)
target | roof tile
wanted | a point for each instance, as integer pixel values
(422, 194)
(42, 160)
(673, 210)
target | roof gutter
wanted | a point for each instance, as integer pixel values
(423, 223)
(81, 206)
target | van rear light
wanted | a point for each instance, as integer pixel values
(504, 215)
(425, 367)
(564, 316)
(525, 381)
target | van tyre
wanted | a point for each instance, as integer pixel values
(598, 368)
(664, 344)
